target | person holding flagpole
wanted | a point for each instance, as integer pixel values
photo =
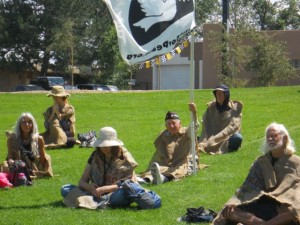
(172, 159)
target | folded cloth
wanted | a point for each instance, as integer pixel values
(78, 198)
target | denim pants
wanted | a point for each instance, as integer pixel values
(144, 199)
(235, 142)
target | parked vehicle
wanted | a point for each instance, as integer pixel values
(29, 87)
(48, 82)
(70, 87)
(98, 87)
(112, 87)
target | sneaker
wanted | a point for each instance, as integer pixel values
(155, 172)
(141, 180)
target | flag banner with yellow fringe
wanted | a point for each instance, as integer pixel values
(147, 29)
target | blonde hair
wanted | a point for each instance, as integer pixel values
(34, 133)
(280, 128)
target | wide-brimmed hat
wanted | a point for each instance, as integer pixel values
(58, 91)
(107, 137)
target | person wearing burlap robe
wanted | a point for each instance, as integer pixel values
(270, 193)
(172, 159)
(221, 124)
(109, 179)
(27, 145)
(59, 121)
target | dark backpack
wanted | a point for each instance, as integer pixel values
(19, 174)
(198, 215)
(87, 139)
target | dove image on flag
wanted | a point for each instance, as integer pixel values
(150, 28)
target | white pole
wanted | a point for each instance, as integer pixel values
(192, 84)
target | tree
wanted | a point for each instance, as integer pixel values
(64, 40)
(234, 57)
(268, 61)
(252, 51)
(56, 34)
(19, 35)
(207, 11)
(241, 14)
(112, 68)
(289, 16)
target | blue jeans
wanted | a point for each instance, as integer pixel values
(235, 142)
(144, 199)
(115, 199)
(119, 199)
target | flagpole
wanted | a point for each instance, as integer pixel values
(192, 85)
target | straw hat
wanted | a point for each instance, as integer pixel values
(58, 91)
(107, 137)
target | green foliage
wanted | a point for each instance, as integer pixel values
(268, 61)
(289, 17)
(18, 26)
(265, 12)
(255, 14)
(248, 50)
(231, 54)
(82, 34)
(207, 10)
(112, 68)
(139, 117)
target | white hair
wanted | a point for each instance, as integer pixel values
(34, 134)
(280, 128)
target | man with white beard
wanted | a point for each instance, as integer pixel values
(270, 195)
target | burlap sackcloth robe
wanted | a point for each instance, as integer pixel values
(283, 180)
(120, 169)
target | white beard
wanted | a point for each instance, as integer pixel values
(276, 147)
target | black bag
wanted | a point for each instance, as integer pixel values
(196, 215)
(19, 174)
(87, 139)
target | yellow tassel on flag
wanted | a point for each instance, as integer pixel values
(186, 43)
(148, 64)
(178, 50)
(169, 56)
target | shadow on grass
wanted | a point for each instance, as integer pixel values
(60, 204)
(56, 204)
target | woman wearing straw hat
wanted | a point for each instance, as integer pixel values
(109, 178)
(59, 120)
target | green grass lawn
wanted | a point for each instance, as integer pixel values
(138, 118)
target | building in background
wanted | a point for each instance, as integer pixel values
(175, 73)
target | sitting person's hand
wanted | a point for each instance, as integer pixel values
(56, 109)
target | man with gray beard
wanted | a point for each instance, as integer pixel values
(270, 193)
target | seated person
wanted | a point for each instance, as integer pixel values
(172, 158)
(59, 121)
(25, 144)
(108, 179)
(221, 124)
(269, 195)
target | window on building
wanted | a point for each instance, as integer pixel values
(296, 63)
